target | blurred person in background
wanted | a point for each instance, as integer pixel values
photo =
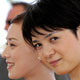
(16, 9)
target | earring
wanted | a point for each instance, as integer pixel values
(39, 58)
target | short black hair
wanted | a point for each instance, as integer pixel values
(51, 15)
(24, 4)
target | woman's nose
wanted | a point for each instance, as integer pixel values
(48, 52)
(5, 53)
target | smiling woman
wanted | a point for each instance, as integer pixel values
(53, 28)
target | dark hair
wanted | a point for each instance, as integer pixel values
(18, 18)
(24, 4)
(51, 15)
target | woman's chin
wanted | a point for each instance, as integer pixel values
(60, 72)
(13, 76)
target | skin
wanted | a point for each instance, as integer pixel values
(62, 47)
(19, 53)
(22, 58)
(15, 10)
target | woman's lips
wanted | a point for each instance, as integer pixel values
(54, 63)
(10, 65)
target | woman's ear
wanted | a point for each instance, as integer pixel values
(78, 32)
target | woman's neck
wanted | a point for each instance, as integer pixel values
(75, 74)
(41, 72)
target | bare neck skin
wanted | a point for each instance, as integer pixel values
(41, 72)
(75, 74)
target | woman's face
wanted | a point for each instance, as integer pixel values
(21, 58)
(60, 49)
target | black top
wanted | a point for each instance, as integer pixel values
(62, 77)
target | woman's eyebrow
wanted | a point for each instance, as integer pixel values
(12, 38)
(35, 41)
(49, 34)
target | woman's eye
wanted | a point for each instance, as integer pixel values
(12, 45)
(54, 38)
(37, 46)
